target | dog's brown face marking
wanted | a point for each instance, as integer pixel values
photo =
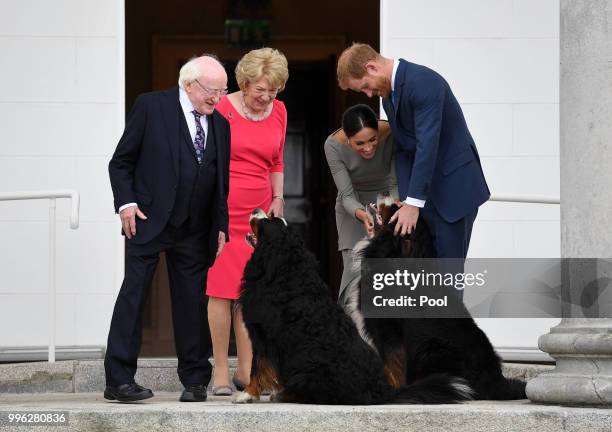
(257, 215)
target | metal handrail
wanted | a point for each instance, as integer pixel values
(525, 199)
(51, 195)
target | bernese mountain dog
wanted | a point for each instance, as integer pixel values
(413, 349)
(305, 348)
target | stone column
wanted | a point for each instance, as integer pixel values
(582, 347)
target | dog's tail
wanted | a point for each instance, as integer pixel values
(511, 389)
(435, 389)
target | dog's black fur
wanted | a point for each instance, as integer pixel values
(306, 339)
(415, 348)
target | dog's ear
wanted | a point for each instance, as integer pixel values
(272, 230)
(281, 219)
(255, 226)
(387, 211)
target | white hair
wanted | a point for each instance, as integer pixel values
(189, 72)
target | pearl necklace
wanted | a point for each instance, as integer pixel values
(254, 117)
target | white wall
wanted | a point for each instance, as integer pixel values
(501, 58)
(61, 113)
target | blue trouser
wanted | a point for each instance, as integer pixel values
(451, 239)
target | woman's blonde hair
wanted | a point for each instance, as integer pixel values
(267, 63)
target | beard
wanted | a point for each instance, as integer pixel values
(383, 87)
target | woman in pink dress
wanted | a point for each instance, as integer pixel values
(258, 123)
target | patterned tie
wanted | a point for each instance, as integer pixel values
(199, 142)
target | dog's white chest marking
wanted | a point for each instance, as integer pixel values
(351, 306)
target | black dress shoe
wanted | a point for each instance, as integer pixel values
(194, 393)
(127, 393)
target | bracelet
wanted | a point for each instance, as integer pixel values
(279, 197)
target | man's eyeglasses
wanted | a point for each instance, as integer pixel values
(212, 92)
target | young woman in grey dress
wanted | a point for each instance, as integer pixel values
(361, 161)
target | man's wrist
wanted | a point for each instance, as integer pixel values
(415, 202)
(124, 206)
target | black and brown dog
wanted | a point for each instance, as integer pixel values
(413, 349)
(306, 349)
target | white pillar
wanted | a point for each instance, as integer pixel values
(582, 347)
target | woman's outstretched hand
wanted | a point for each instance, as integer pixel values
(366, 220)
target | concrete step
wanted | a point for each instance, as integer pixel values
(83, 376)
(80, 376)
(90, 412)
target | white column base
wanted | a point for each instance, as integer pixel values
(583, 374)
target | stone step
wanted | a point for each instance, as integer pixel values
(89, 412)
(83, 376)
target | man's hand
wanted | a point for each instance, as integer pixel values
(406, 216)
(128, 220)
(276, 208)
(220, 243)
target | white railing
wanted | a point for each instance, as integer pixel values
(51, 195)
(525, 199)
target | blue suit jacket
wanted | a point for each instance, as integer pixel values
(436, 158)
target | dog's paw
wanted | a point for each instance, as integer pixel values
(244, 397)
(275, 397)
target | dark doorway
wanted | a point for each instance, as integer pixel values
(311, 112)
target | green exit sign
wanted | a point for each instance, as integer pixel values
(247, 33)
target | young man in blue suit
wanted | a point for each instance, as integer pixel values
(439, 173)
(170, 181)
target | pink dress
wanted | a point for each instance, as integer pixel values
(257, 151)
